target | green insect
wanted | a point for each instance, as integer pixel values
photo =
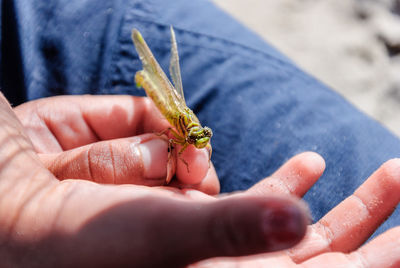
(169, 99)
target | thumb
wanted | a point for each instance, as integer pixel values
(161, 231)
(181, 233)
(131, 226)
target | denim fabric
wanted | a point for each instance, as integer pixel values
(261, 107)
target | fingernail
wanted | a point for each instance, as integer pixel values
(154, 156)
(284, 226)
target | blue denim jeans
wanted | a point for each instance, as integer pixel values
(262, 108)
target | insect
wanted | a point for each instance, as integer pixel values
(169, 99)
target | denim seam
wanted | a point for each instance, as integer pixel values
(215, 39)
(116, 48)
(288, 66)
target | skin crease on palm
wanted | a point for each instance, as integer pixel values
(81, 219)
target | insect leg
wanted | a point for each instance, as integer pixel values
(185, 145)
(209, 149)
(178, 139)
(174, 133)
(163, 132)
(181, 141)
(177, 136)
(171, 164)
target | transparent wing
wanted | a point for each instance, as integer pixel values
(159, 88)
(174, 68)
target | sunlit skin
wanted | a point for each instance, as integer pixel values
(45, 222)
(116, 136)
(169, 99)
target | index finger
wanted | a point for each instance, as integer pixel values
(63, 123)
(68, 122)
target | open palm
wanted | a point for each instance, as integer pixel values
(112, 225)
(336, 239)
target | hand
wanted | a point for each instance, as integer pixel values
(110, 139)
(45, 222)
(335, 240)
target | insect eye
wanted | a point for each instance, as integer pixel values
(201, 143)
(194, 132)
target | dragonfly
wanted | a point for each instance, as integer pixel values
(169, 99)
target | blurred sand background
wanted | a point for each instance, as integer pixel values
(351, 45)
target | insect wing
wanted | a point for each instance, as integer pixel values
(153, 73)
(174, 68)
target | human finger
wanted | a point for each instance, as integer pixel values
(295, 177)
(66, 122)
(383, 251)
(77, 223)
(209, 184)
(138, 160)
(237, 226)
(190, 162)
(351, 222)
(165, 236)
